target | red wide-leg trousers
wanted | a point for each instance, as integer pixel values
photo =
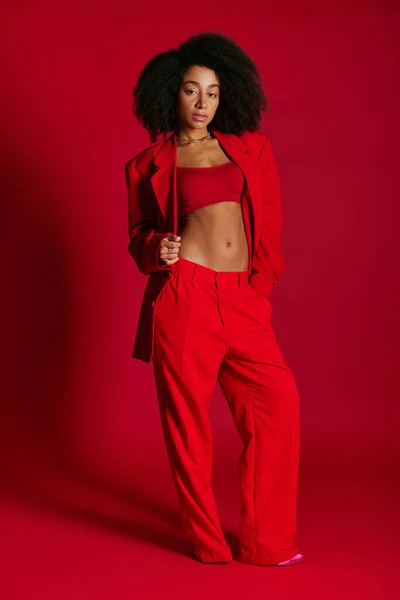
(212, 326)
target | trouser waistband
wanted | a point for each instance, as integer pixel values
(196, 271)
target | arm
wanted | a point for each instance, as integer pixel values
(268, 263)
(144, 240)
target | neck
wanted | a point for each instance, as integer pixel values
(190, 133)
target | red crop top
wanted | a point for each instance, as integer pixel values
(201, 186)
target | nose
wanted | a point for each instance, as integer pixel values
(201, 101)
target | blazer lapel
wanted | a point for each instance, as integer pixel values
(163, 180)
(239, 153)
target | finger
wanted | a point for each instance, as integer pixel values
(170, 256)
(169, 244)
(170, 261)
(167, 253)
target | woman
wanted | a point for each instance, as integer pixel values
(205, 225)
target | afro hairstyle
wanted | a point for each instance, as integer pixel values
(242, 98)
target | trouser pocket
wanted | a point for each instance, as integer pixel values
(171, 283)
(259, 295)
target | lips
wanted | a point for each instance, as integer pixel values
(199, 117)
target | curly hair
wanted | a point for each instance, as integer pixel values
(242, 98)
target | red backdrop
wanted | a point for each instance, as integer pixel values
(79, 417)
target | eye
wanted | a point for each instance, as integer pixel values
(195, 91)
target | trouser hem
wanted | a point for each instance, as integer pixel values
(207, 557)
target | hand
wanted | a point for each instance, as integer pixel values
(169, 249)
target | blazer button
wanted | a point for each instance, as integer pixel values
(153, 303)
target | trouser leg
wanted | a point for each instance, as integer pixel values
(188, 348)
(262, 395)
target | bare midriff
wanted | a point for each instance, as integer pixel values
(214, 235)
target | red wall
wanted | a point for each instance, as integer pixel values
(71, 293)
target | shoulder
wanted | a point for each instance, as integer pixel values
(140, 161)
(255, 142)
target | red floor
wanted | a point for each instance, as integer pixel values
(68, 538)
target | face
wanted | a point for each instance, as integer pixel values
(198, 93)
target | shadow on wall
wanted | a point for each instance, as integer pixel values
(39, 334)
(37, 352)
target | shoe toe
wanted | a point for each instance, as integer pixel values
(291, 561)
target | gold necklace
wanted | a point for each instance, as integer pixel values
(194, 139)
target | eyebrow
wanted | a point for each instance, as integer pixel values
(197, 83)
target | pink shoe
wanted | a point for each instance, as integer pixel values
(291, 561)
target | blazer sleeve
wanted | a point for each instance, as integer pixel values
(144, 239)
(268, 264)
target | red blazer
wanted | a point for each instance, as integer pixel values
(152, 214)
